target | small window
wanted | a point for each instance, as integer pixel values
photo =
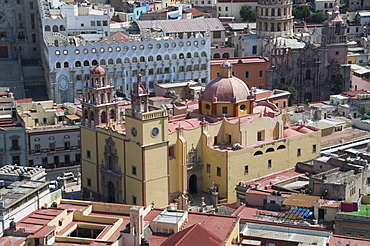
(260, 136)
(269, 163)
(88, 154)
(299, 152)
(134, 200)
(133, 170)
(88, 182)
(219, 171)
(314, 148)
(171, 152)
(209, 169)
(92, 23)
(260, 73)
(37, 148)
(224, 110)
(247, 74)
(246, 169)
(254, 49)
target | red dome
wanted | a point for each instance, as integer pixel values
(98, 70)
(231, 90)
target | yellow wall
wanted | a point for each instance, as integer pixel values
(89, 165)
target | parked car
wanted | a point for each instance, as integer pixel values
(54, 185)
(66, 176)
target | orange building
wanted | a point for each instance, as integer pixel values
(252, 70)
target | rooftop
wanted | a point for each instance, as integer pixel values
(303, 237)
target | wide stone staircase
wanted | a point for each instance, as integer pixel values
(34, 80)
(11, 76)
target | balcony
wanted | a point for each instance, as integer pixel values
(15, 148)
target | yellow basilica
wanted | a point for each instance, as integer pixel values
(151, 157)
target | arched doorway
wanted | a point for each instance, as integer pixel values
(308, 97)
(193, 184)
(111, 192)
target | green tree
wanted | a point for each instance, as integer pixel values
(318, 17)
(338, 83)
(247, 13)
(301, 12)
(293, 93)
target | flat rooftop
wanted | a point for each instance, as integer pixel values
(304, 237)
(19, 189)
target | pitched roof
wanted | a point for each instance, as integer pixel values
(193, 235)
(194, 11)
(183, 25)
(120, 36)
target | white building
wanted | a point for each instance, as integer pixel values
(159, 60)
(23, 197)
(61, 25)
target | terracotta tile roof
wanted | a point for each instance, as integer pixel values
(43, 232)
(194, 12)
(354, 93)
(26, 100)
(193, 235)
(120, 36)
(183, 25)
(11, 241)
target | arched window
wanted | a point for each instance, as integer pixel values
(270, 150)
(174, 56)
(94, 62)
(86, 114)
(281, 147)
(159, 58)
(226, 55)
(110, 61)
(225, 110)
(62, 28)
(308, 74)
(258, 153)
(102, 101)
(103, 117)
(58, 65)
(142, 59)
(92, 115)
(150, 58)
(127, 60)
(102, 62)
(86, 63)
(66, 64)
(279, 12)
(56, 43)
(181, 56)
(272, 12)
(134, 59)
(217, 55)
(55, 28)
(119, 61)
(196, 54)
(188, 55)
(203, 54)
(47, 28)
(112, 114)
(166, 57)
(77, 64)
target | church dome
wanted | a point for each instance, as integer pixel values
(231, 90)
(226, 88)
(98, 70)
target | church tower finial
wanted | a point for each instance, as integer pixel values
(226, 68)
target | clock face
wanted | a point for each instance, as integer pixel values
(133, 131)
(155, 132)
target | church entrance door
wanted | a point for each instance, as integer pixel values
(193, 184)
(111, 192)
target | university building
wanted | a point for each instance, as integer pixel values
(152, 157)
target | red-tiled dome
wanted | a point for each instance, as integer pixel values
(231, 90)
(98, 70)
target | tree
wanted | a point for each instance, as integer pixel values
(318, 17)
(293, 93)
(338, 83)
(301, 12)
(247, 13)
